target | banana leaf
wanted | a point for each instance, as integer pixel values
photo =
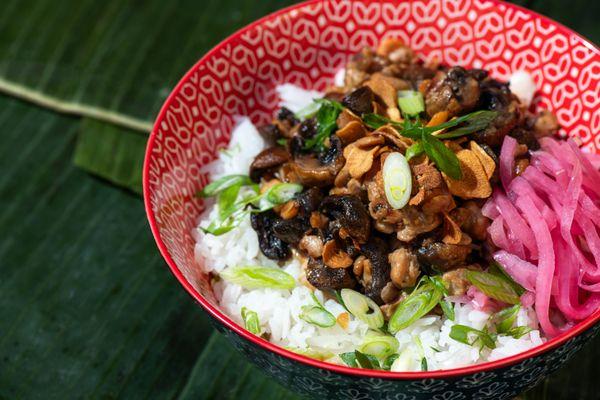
(88, 308)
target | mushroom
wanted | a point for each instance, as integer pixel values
(323, 277)
(348, 212)
(270, 245)
(268, 161)
(378, 275)
(404, 267)
(312, 245)
(455, 91)
(319, 171)
(443, 255)
(360, 101)
(290, 230)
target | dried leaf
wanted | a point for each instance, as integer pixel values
(351, 132)
(488, 163)
(474, 183)
(345, 117)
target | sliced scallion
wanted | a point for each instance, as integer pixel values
(380, 346)
(255, 277)
(318, 316)
(397, 180)
(411, 102)
(495, 286)
(223, 183)
(363, 308)
(251, 322)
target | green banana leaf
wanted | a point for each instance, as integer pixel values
(88, 309)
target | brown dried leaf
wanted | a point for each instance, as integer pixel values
(488, 163)
(452, 232)
(391, 135)
(359, 161)
(345, 117)
(351, 132)
(474, 183)
(334, 257)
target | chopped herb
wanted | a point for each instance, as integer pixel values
(411, 102)
(215, 187)
(448, 309)
(506, 318)
(422, 300)
(317, 314)
(255, 277)
(497, 269)
(349, 359)
(309, 111)
(387, 363)
(251, 322)
(471, 336)
(519, 331)
(434, 349)
(366, 361)
(431, 144)
(423, 364)
(282, 142)
(379, 346)
(494, 286)
(326, 122)
(232, 209)
(443, 157)
(416, 149)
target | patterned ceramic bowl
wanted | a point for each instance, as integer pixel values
(305, 45)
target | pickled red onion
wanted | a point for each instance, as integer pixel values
(553, 210)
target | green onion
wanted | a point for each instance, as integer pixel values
(255, 277)
(519, 331)
(251, 322)
(494, 286)
(497, 269)
(404, 361)
(397, 180)
(389, 361)
(308, 352)
(471, 336)
(282, 192)
(411, 102)
(282, 141)
(349, 359)
(423, 364)
(220, 227)
(223, 183)
(378, 345)
(416, 149)
(420, 302)
(363, 308)
(318, 316)
(309, 111)
(226, 200)
(470, 123)
(366, 361)
(443, 157)
(448, 310)
(506, 318)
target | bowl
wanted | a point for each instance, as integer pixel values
(305, 45)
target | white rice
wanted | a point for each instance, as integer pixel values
(278, 310)
(521, 83)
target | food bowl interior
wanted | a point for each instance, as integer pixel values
(306, 45)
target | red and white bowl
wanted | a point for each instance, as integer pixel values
(305, 45)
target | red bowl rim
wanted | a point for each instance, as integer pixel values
(225, 320)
